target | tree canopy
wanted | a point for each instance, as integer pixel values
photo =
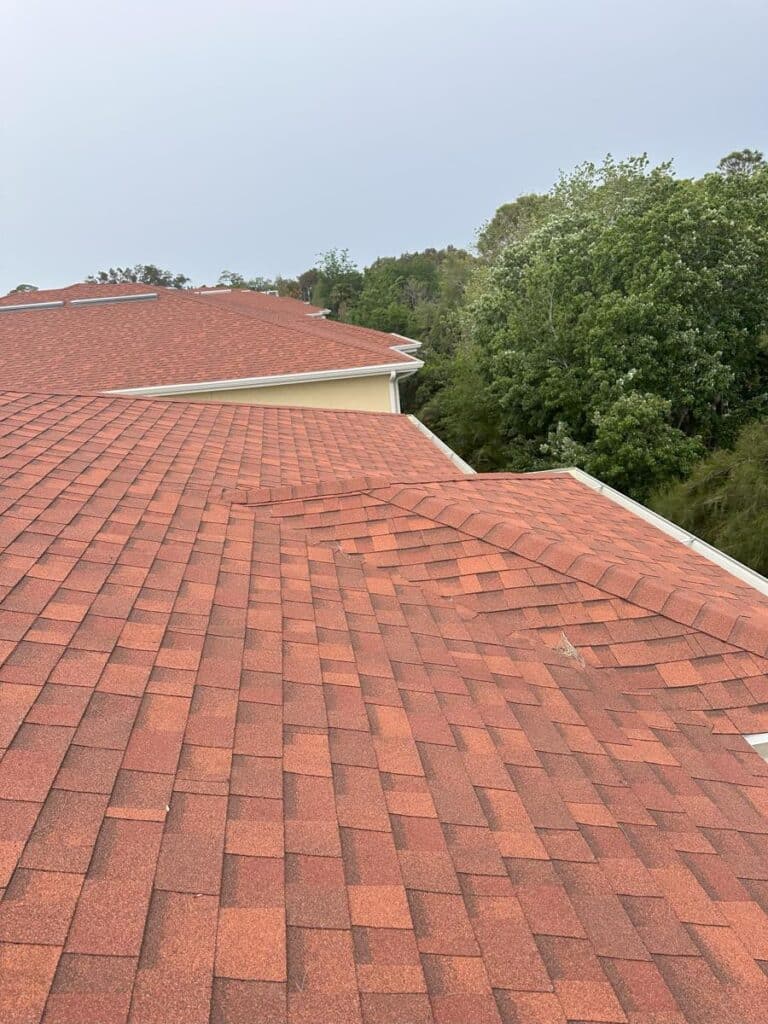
(624, 331)
(337, 283)
(141, 273)
(725, 499)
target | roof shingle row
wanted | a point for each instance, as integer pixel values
(290, 737)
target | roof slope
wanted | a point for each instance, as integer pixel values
(276, 751)
(175, 338)
(270, 307)
(303, 317)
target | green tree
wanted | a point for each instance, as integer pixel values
(417, 295)
(231, 279)
(742, 161)
(306, 283)
(725, 499)
(23, 288)
(338, 282)
(638, 305)
(512, 222)
(142, 273)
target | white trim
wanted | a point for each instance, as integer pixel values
(756, 737)
(455, 459)
(158, 390)
(319, 315)
(408, 344)
(690, 540)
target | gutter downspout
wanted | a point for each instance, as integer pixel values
(394, 393)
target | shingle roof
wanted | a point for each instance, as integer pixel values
(301, 725)
(263, 304)
(175, 338)
(302, 316)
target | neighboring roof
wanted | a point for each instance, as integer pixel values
(306, 318)
(269, 307)
(304, 726)
(171, 338)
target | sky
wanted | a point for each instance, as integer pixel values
(252, 136)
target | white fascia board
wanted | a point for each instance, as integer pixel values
(406, 344)
(713, 554)
(455, 459)
(161, 390)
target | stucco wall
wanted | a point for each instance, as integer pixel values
(367, 393)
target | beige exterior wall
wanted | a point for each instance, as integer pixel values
(371, 394)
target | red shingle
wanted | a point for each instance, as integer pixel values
(143, 342)
(309, 754)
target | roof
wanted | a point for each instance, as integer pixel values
(305, 317)
(263, 304)
(301, 725)
(171, 337)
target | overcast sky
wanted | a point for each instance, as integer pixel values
(251, 136)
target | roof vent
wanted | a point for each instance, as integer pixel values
(103, 299)
(30, 305)
(214, 291)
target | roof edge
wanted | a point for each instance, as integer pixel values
(455, 459)
(708, 551)
(161, 390)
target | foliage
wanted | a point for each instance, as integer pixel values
(306, 282)
(282, 285)
(512, 222)
(142, 273)
(231, 279)
(725, 499)
(338, 282)
(417, 295)
(625, 332)
(742, 161)
(23, 288)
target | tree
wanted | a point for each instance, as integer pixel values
(626, 332)
(231, 279)
(512, 222)
(725, 499)
(141, 273)
(742, 161)
(417, 295)
(338, 282)
(306, 283)
(23, 288)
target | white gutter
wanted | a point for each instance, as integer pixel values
(455, 459)
(408, 344)
(713, 554)
(160, 390)
(394, 393)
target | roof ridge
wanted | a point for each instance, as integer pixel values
(681, 604)
(253, 496)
